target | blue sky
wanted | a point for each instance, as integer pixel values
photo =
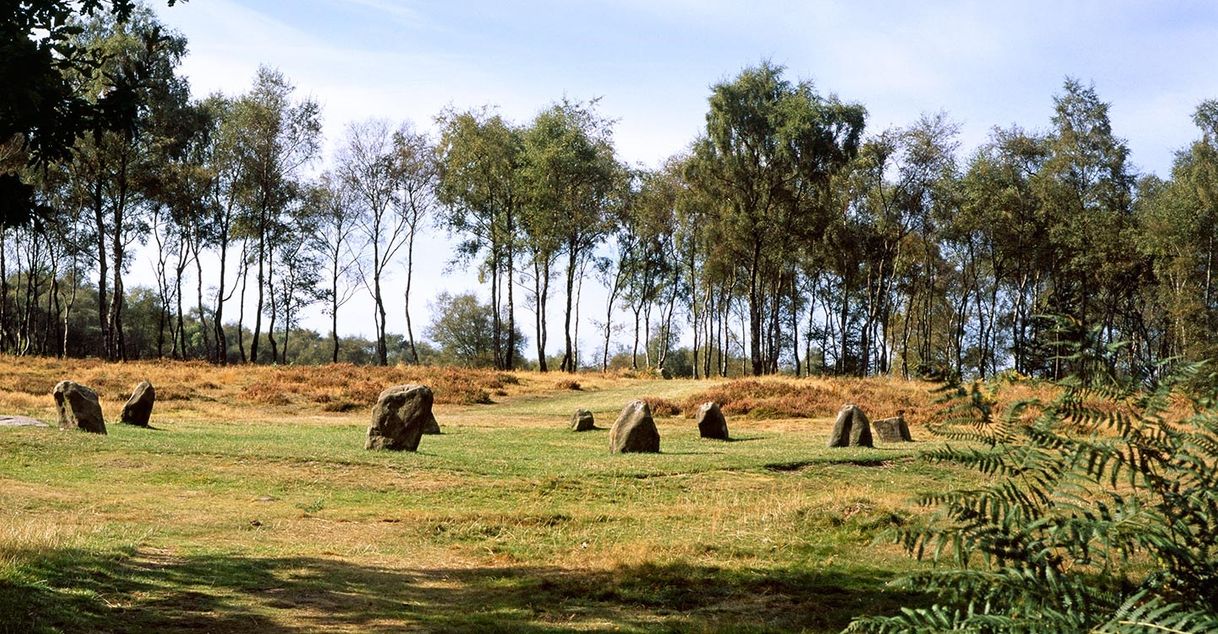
(652, 64)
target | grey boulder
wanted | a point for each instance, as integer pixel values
(851, 429)
(582, 420)
(634, 431)
(893, 429)
(138, 409)
(400, 417)
(711, 423)
(78, 408)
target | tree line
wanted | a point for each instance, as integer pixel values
(785, 238)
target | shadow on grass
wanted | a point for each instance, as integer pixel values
(79, 591)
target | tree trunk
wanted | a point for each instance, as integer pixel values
(568, 359)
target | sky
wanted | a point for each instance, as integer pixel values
(652, 63)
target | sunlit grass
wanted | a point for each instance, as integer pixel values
(232, 515)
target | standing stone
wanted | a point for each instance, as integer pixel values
(852, 429)
(78, 408)
(431, 426)
(711, 423)
(399, 417)
(634, 431)
(893, 429)
(582, 421)
(138, 409)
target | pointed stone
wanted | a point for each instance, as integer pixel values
(851, 429)
(634, 431)
(138, 409)
(711, 423)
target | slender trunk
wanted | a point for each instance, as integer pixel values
(274, 314)
(414, 352)
(203, 326)
(755, 310)
(103, 269)
(261, 283)
(4, 313)
(245, 276)
(334, 255)
(568, 359)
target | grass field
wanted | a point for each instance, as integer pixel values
(266, 514)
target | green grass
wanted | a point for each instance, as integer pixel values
(505, 522)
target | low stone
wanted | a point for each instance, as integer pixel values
(78, 408)
(582, 421)
(634, 431)
(711, 423)
(138, 409)
(893, 429)
(21, 421)
(851, 429)
(399, 418)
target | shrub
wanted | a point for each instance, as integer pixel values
(1097, 510)
(661, 406)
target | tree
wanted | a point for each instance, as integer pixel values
(479, 180)
(389, 177)
(463, 328)
(43, 110)
(279, 138)
(573, 178)
(769, 150)
(335, 216)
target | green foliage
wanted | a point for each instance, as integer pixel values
(1095, 510)
(465, 330)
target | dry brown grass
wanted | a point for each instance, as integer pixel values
(779, 397)
(26, 384)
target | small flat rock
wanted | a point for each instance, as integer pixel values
(21, 421)
(893, 429)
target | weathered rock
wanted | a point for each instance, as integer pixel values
(399, 418)
(665, 374)
(634, 431)
(582, 421)
(431, 426)
(711, 423)
(851, 429)
(138, 409)
(78, 408)
(21, 421)
(893, 429)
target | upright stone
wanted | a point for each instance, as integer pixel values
(851, 429)
(634, 431)
(138, 409)
(893, 429)
(711, 423)
(431, 426)
(582, 421)
(78, 408)
(399, 418)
